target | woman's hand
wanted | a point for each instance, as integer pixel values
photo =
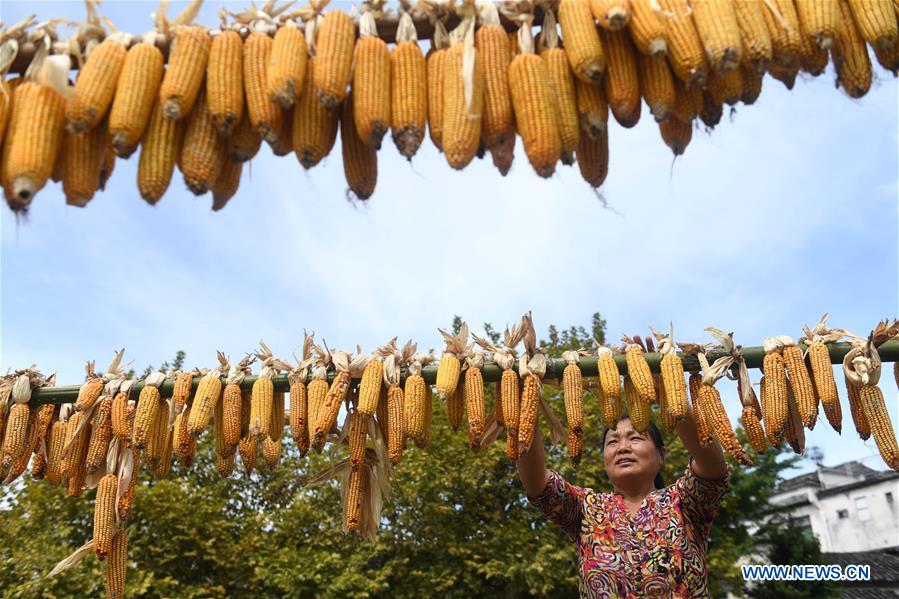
(532, 465)
(708, 462)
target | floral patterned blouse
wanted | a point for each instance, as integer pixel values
(657, 552)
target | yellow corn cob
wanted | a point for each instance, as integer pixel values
(621, 83)
(181, 390)
(474, 406)
(408, 97)
(712, 111)
(435, 64)
(757, 49)
(277, 426)
(668, 422)
(244, 142)
(75, 461)
(120, 417)
(182, 440)
(206, 397)
(716, 23)
(282, 145)
(286, 72)
(34, 140)
(801, 383)
(582, 44)
(647, 28)
(716, 417)
(396, 430)
(15, 435)
(776, 402)
(859, 418)
(455, 405)
(812, 59)
(356, 485)
(117, 565)
(160, 151)
(20, 464)
(317, 391)
(314, 125)
(157, 442)
(818, 20)
(89, 394)
(95, 86)
(39, 466)
(107, 165)
(888, 59)
(70, 426)
(265, 115)
(100, 436)
(225, 465)
(499, 119)
(609, 376)
(876, 21)
(573, 387)
(224, 81)
(271, 452)
(824, 384)
(754, 431)
(448, 371)
(83, 156)
(261, 407)
(532, 98)
(685, 51)
(371, 90)
(637, 406)
(784, 31)
(562, 84)
(672, 370)
(218, 429)
(248, 453)
(611, 14)
(370, 387)
(334, 53)
(461, 133)
(850, 56)
(356, 438)
(126, 501)
(703, 429)
(136, 93)
(104, 515)
(752, 85)
(360, 160)
(592, 107)
(676, 134)
(527, 423)
(575, 446)
(657, 85)
(498, 403)
(56, 439)
(610, 408)
(639, 373)
(381, 412)
(875, 410)
(726, 88)
(231, 417)
(186, 71)
(327, 415)
(414, 408)
(145, 416)
(593, 158)
(511, 407)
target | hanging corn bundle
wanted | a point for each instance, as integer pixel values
(186, 70)
(314, 124)
(225, 80)
(573, 392)
(582, 43)
(474, 398)
(135, 95)
(346, 369)
(532, 367)
(641, 378)
(262, 405)
(335, 42)
(609, 389)
(824, 384)
(450, 365)
(562, 86)
(417, 397)
(298, 418)
(408, 88)
(371, 79)
(463, 91)
(713, 409)
(672, 376)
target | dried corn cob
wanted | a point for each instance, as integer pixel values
(186, 72)
(136, 93)
(409, 90)
(336, 39)
(145, 415)
(876, 22)
(657, 85)
(647, 28)
(812, 59)
(121, 416)
(783, 26)
(492, 44)
(793, 431)
(685, 51)
(532, 99)
(752, 85)
(126, 501)
(370, 385)
(875, 410)
(182, 441)
(360, 160)
(455, 406)
(449, 367)
(417, 406)
(95, 86)
(224, 81)
(104, 515)
(117, 565)
(286, 72)
(101, 435)
(90, 391)
(248, 453)
(622, 84)
(314, 125)
(850, 56)
(671, 370)
(160, 150)
(262, 406)
(712, 111)
(277, 426)
(299, 409)
(593, 109)
(56, 439)
(155, 450)
(562, 85)
(822, 371)
(396, 432)
(611, 14)
(327, 415)
(676, 134)
(703, 429)
(244, 142)
(75, 461)
(358, 423)
(716, 417)
(818, 21)
(726, 88)
(668, 423)
(716, 23)
(265, 115)
(5, 106)
(474, 400)
(530, 401)
(573, 391)
(888, 59)
(435, 61)
(317, 392)
(356, 485)
(638, 408)
(371, 83)
(757, 49)
(271, 452)
(754, 431)
(181, 390)
(16, 433)
(638, 370)
(593, 158)
(83, 155)
(582, 44)
(207, 395)
(461, 123)
(801, 383)
(775, 392)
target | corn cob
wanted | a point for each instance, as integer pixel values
(20, 463)
(261, 408)
(499, 118)
(327, 415)
(716, 23)
(75, 461)
(824, 384)
(532, 99)
(356, 438)
(621, 83)
(754, 431)
(298, 420)
(888, 59)
(573, 391)
(527, 423)
(461, 133)
(637, 406)
(672, 371)
(408, 96)
(657, 85)
(435, 61)
(317, 392)
(101, 435)
(801, 383)
(56, 439)
(818, 21)
(611, 14)
(181, 390)
(225, 465)
(562, 85)
(593, 158)
(89, 393)
(784, 32)
(186, 71)
(703, 428)
(712, 111)
(685, 51)
(850, 56)
(639, 373)
(278, 413)
(83, 156)
(360, 160)
(371, 84)
(396, 430)
(203, 155)
(160, 151)
(206, 397)
(39, 467)
(336, 39)
(95, 86)
(793, 431)
(455, 406)
(859, 417)
(507, 408)
(224, 81)
(582, 43)
(713, 410)
(35, 136)
(145, 416)
(414, 408)
(271, 452)
(610, 407)
(609, 377)
(71, 423)
(104, 515)
(752, 85)
(356, 485)
(647, 28)
(370, 386)
(136, 93)
(182, 438)
(117, 565)
(126, 501)
(812, 59)
(248, 453)
(120, 417)
(314, 125)
(876, 22)
(775, 392)
(264, 114)
(218, 429)
(676, 134)
(449, 368)
(244, 142)
(474, 405)
(286, 72)
(726, 88)
(593, 109)
(155, 450)
(668, 422)
(757, 49)
(15, 434)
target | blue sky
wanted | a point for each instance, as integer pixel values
(787, 210)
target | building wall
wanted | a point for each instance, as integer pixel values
(871, 520)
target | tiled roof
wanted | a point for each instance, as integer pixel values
(884, 563)
(871, 480)
(810, 479)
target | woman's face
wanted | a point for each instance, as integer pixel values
(630, 457)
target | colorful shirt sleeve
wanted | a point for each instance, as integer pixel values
(562, 503)
(700, 500)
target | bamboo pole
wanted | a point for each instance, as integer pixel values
(889, 352)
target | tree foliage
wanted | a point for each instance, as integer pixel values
(456, 525)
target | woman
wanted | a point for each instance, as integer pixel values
(642, 539)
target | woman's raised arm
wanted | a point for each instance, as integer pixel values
(532, 466)
(708, 462)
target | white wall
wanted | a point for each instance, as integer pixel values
(863, 530)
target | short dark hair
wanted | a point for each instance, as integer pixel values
(656, 435)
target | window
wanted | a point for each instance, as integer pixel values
(861, 508)
(842, 514)
(803, 522)
(889, 496)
